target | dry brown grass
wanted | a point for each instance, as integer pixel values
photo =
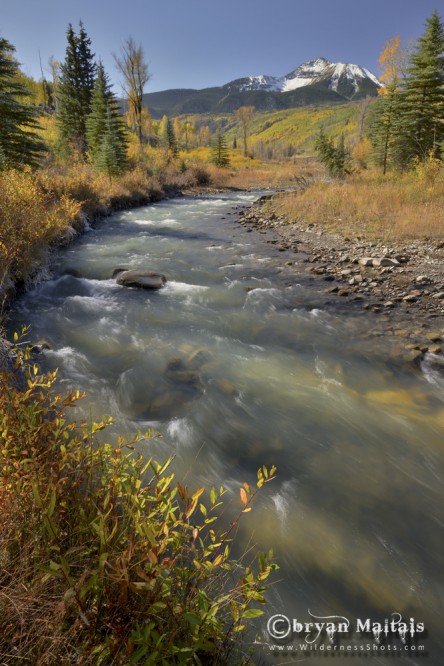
(265, 175)
(406, 206)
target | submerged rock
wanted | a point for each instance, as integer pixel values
(142, 279)
(40, 346)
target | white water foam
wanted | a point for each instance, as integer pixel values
(170, 221)
(76, 363)
(183, 288)
(181, 431)
(432, 367)
(262, 298)
(93, 304)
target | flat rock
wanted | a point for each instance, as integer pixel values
(435, 349)
(143, 279)
(434, 337)
(385, 261)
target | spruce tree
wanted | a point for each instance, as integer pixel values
(104, 121)
(75, 91)
(169, 138)
(420, 128)
(19, 144)
(383, 125)
(219, 152)
(336, 159)
(109, 157)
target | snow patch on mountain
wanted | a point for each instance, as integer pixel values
(351, 73)
(304, 75)
(261, 82)
(310, 72)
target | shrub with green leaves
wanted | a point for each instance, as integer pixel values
(335, 158)
(105, 558)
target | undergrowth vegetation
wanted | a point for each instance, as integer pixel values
(397, 205)
(104, 558)
(40, 208)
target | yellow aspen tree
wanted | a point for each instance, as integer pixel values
(177, 131)
(244, 116)
(392, 63)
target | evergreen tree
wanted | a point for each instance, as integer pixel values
(169, 138)
(19, 144)
(108, 156)
(219, 152)
(383, 124)
(105, 121)
(336, 159)
(75, 90)
(420, 127)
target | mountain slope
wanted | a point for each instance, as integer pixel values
(314, 82)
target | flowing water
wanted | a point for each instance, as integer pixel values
(238, 362)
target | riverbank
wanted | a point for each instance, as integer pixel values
(401, 282)
(46, 209)
(94, 586)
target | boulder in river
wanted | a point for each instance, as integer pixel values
(40, 346)
(141, 278)
(118, 271)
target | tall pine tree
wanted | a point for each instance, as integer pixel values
(420, 128)
(75, 91)
(383, 125)
(109, 157)
(219, 152)
(19, 144)
(169, 138)
(104, 125)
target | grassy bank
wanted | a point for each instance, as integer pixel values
(42, 208)
(39, 209)
(391, 207)
(104, 557)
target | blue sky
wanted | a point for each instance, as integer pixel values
(200, 43)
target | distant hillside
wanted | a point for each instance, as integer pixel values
(290, 132)
(314, 82)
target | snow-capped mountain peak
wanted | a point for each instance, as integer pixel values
(343, 78)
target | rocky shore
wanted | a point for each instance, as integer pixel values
(402, 284)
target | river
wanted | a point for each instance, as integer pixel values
(275, 376)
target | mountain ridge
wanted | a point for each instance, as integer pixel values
(313, 82)
(311, 71)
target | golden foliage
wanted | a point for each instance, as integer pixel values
(392, 62)
(104, 557)
(361, 153)
(30, 220)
